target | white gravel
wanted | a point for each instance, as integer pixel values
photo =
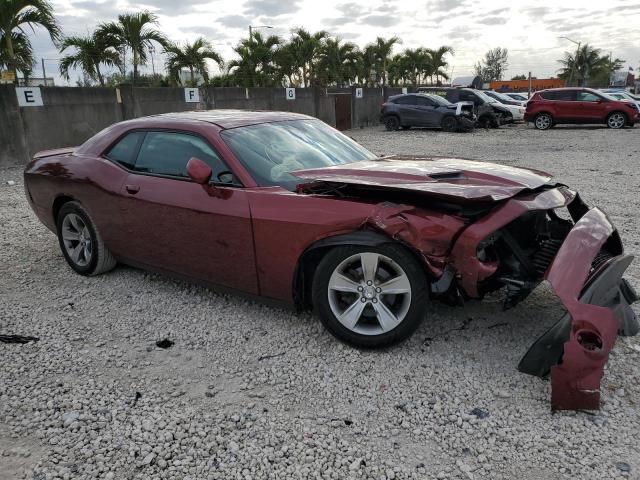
(249, 391)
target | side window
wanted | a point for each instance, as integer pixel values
(124, 152)
(167, 153)
(424, 102)
(559, 95)
(408, 100)
(587, 97)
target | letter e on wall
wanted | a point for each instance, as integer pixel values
(29, 96)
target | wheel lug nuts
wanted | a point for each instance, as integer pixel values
(369, 282)
(360, 289)
(375, 300)
(363, 299)
(378, 289)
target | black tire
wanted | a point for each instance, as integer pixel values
(392, 123)
(485, 121)
(413, 307)
(449, 123)
(543, 121)
(100, 258)
(617, 120)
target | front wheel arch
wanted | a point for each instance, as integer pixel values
(314, 253)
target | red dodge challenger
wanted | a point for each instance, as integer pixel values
(282, 206)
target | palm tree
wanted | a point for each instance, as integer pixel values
(255, 67)
(135, 32)
(14, 16)
(438, 63)
(90, 52)
(587, 63)
(286, 64)
(383, 49)
(306, 47)
(192, 56)
(23, 53)
(367, 71)
(338, 60)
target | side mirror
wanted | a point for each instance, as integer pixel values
(199, 171)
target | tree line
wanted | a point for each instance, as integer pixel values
(305, 59)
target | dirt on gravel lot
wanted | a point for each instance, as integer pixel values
(250, 391)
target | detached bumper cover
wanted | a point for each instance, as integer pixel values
(597, 300)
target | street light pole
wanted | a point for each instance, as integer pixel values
(575, 60)
(253, 27)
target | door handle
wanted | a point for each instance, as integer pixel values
(132, 189)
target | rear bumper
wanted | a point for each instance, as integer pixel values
(597, 300)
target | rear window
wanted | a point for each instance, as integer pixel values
(563, 95)
(125, 151)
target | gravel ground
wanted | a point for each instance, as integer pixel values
(249, 391)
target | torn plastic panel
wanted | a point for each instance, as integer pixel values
(597, 300)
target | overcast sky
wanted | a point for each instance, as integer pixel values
(530, 30)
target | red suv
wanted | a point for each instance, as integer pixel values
(578, 105)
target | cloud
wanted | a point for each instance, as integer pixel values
(350, 9)
(379, 20)
(446, 5)
(234, 21)
(271, 8)
(492, 21)
(166, 7)
(337, 21)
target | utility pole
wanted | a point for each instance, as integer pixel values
(575, 60)
(44, 73)
(152, 50)
(529, 84)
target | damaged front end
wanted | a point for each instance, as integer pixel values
(483, 227)
(525, 241)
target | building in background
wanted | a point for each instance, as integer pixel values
(523, 85)
(36, 82)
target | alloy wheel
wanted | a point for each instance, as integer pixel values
(616, 120)
(369, 293)
(76, 239)
(543, 122)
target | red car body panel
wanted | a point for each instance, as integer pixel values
(578, 112)
(254, 239)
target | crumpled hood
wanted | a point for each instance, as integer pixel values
(451, 178)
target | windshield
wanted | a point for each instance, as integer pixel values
(486, 97)
(439, 100)
(269, 151)
(502, 96)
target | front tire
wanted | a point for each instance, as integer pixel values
(449, 124)
(617, 120)
(392, 123)
(543, 121)
(370, 297)
(81, 243)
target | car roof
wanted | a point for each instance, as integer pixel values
(230, 118)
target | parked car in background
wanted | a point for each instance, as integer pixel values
(504, 99)
(423, 110)
(624, 97)
(489, 113)
(521, 96)
(578, 106)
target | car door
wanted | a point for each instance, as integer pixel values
(427, 112)
(407, 110)
(563, 105)
(592, 107)
(175, 224)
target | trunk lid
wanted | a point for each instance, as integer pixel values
(449, 178)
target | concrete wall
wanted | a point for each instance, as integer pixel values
(71, 115)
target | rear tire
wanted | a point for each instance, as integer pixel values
(449, 123)
(485, 121)
(617, 120)
(349, 294)
(80, 241)
(543, 121)
(392, 123)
